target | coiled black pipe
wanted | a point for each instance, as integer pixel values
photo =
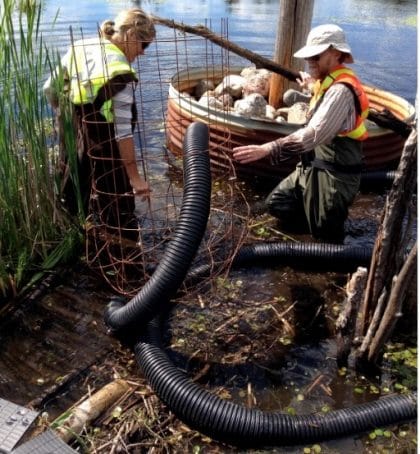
(232, 423)
(221, 419)
(189, 231)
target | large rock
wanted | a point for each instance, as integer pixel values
(209, 99)
(253, 105)
(203, 86)
(298, 113)
(257, 81)
(232, 84)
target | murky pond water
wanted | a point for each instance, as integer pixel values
(265, 335)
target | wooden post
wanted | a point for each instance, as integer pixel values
(293, 26)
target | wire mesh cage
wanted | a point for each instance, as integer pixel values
(126, 251)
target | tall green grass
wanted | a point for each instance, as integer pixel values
(35, 232)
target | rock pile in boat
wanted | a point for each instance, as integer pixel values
(246, 95)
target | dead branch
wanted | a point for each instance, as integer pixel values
(390, 273)
(374, 323)
(258, 60)
(392, 312)
(346, 321)
(387, 258)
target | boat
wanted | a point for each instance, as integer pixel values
(227, 130)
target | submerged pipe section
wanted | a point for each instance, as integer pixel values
(380, 177)
(189, 231)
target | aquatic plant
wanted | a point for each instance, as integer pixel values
(35, 232)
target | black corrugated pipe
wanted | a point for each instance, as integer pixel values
(224, 420)
(377, 180)
(378, 176)
(189, 231)
(302, 255)
(232, 423)
(289, 252)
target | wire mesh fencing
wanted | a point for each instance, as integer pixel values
(125, 252)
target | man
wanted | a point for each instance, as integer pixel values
(325, 182)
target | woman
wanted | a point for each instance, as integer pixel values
(96, 76)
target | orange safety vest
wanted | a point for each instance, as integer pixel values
(348, 77)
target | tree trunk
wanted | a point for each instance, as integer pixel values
(346, 321)
(390, 271)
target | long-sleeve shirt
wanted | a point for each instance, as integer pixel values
(335, 114)
(122, 103)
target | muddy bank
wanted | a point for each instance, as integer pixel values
(52, 343)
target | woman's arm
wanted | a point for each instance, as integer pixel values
(122, 102)
(128, 156)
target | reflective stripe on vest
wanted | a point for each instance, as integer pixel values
(346, 76)
(93, 63)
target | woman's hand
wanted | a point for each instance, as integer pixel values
(250, 153)
(140, 187)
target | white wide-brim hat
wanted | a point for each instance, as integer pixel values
(323, 37)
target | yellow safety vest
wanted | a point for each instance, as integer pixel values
(92, 63)
(347, 76)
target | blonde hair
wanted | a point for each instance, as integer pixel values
(127, 20)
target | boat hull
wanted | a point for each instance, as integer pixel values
(381, 150)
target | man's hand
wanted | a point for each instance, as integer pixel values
(305, 81)
(250, 153)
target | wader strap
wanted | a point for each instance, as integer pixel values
(333, 167)
(307, 158)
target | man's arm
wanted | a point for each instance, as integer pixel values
(336, 113)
